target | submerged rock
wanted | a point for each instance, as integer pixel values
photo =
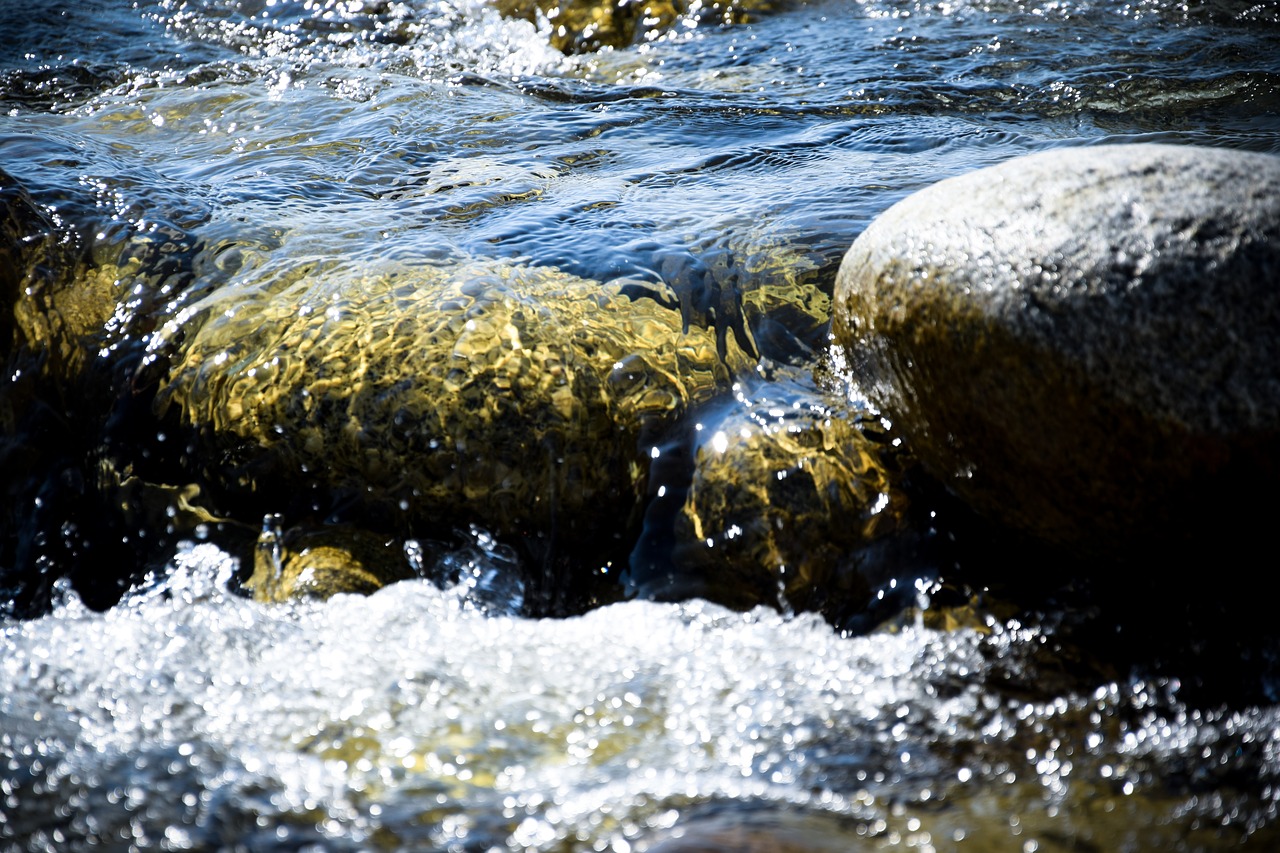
(578, 26)
(39, 314)
(789, 489)
(415, 400)
(68, 299)
(1084, 344)
(322, 562)
(407, 400)
(536, 405)
(82, 283)
(524, 399)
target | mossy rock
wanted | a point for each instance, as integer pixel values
(523, 399)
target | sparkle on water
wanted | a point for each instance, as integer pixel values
(243, 139)
(188, 718)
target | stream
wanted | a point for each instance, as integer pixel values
(993, 697)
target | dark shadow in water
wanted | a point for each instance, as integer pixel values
(74, 424)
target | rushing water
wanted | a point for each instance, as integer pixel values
(221, 146)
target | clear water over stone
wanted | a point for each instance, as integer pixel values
(229, 145)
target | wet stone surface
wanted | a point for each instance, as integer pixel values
(212, 207)
(1081, 342)
(584, 25)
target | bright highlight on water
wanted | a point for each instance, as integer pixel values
(219, 179)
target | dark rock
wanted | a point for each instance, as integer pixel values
(1083, 344)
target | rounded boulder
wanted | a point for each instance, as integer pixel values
(1083, 344)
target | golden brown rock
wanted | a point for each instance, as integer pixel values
(322, 562)
(578, 26)
(518, 398)
(786, 490)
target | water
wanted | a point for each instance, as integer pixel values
(220, 148)
(190, 719)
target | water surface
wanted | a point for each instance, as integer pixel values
(224, 147)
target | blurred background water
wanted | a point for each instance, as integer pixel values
(221, 143)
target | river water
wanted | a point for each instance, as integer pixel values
(146, 704)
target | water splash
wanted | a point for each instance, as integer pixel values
(188, 717)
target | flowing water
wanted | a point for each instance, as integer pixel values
(221, 146)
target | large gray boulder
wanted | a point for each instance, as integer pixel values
(1083, 344)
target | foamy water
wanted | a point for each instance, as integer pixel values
(190, 718)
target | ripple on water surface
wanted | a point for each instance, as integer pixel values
(241, 139)
(441, 129)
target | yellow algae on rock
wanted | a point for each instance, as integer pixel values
(515, 397)
(322, 562)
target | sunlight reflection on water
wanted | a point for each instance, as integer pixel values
(226, 144)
